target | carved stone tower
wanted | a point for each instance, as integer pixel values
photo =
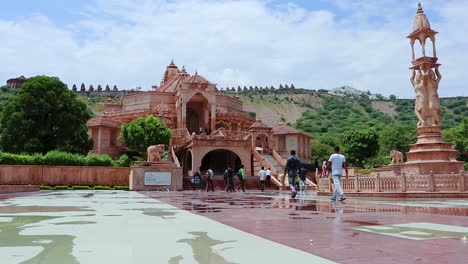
(430, 153)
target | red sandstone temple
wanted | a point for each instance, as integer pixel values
(209, 128)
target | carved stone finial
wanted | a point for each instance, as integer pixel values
(420, 10)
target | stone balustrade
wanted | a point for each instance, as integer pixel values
(399, 184)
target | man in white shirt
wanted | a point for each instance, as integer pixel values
(262, 175)
(337, 162)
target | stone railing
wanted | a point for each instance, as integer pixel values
(174, 158)
(265, 163)
(278, 158)
(403, 183)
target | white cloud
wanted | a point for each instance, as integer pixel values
(232, 43)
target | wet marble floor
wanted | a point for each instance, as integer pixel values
(219, 227)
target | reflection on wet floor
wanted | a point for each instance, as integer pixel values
(418, 231)
(202, 247)
(217, 203)
(15, 209)
(57, 249)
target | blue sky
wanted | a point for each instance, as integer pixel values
(315, 44)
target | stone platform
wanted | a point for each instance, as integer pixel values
(431, 154)
(154, 176)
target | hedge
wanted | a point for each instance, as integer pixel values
(60, 158)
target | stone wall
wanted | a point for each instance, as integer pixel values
(62, 175)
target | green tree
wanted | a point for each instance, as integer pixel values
(459, 138)
(397, 137)
(319, 150)
(44, 115)
(144, 132)
(360, 145)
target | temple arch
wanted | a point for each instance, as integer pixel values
(242, 153)
(219, 159)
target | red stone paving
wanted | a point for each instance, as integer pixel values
(294, 223)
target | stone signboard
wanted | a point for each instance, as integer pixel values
(157, 178)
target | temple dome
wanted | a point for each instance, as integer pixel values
(420, 20)
(196, 79)
(258, 124)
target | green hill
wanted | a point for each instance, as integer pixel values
(324, 113)
(327, 117)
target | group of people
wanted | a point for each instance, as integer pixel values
(336, 163)
(229, 174)
(296, 175)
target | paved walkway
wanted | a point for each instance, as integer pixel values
(252, 227)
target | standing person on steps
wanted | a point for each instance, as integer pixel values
(268, 177)
(262, 175)
(337, 162)
(293, 165)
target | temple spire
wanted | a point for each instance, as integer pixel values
(420, 10)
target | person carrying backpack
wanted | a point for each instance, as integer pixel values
(196, 180)
(230, 182)
(292, 169)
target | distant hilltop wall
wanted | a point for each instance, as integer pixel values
(99, 91)
(252, 88)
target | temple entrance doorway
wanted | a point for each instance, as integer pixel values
(198, 114)
(219, 159)
(193, 121)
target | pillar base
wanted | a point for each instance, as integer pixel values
(155, 176)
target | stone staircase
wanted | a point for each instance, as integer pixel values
(274, 163)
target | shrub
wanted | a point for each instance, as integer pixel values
(37, 159)
(46, 187)
(364, 171)
(98, 160)
(63, 158)
(8, 158)
(80, 187)
(62, 187)
(100, 187)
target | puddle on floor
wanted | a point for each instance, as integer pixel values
(16, 209)
(358, 222)
(76, 223)
(202, 247)
(175, 260)
(163, 213)
(57, 249)
(416, 233)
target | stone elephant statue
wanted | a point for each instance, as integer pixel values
(397, 157)
(154, 152)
